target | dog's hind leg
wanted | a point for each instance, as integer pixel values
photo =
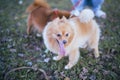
(93, 44)
(29, 24)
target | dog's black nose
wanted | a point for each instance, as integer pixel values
(64, 41)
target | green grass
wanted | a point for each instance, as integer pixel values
(17, 49)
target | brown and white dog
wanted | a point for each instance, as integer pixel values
(40, 13)
(66, 36)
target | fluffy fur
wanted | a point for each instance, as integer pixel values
(40, 13)
(66, 36)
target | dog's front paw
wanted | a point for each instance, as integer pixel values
(56, 58)
(68, 66)
(97, 55)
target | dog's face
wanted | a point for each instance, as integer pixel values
(63, 32)
(59, 34)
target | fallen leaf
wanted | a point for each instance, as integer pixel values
(47, 60)
(82, 75)
(46, 51)
(38, 35)
(20, 54)
(20, 2)
(85, 70)
(92, 77)
(37, 48)
(62, 74)
(29, 63)
(66, 78)
(12, 50)
(95, 70)
(106, 72)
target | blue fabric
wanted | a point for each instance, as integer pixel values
(94, 4)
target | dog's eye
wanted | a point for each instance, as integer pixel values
(67, 35)
(58, 35)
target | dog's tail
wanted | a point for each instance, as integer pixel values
(86, 15)
(36, 4)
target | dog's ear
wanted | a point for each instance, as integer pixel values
(56, 19)
(64, 18)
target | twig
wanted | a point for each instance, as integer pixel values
(108, 51)
(15, 69)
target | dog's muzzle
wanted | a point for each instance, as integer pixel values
(64, 41)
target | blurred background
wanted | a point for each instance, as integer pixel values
(17, 49)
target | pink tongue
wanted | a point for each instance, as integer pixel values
(62, 49)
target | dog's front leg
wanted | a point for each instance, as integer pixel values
(73, 58)
(56, 58)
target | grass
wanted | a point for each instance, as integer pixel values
(17, 49)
